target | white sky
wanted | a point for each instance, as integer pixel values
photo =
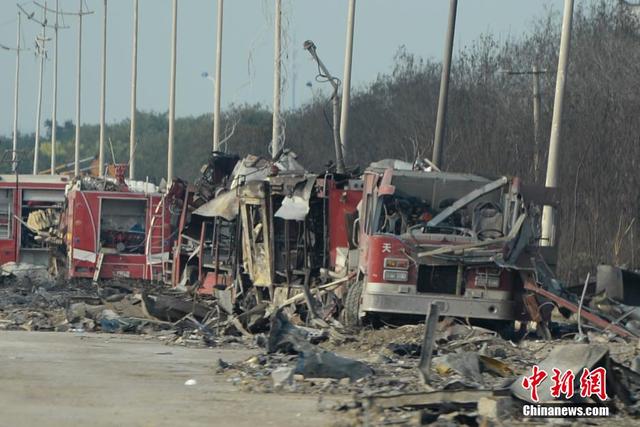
(381, 27)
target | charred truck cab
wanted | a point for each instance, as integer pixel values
(450, 238)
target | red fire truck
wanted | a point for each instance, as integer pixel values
(19, 196)
(115, 231)
(459, 240)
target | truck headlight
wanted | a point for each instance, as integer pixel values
(395, 276)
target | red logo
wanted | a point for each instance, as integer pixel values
(562, 383)
(592, 382)
(531, 383)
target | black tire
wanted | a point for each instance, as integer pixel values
(352, 305)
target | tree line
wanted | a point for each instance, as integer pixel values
(490, 126)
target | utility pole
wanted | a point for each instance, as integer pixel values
(42, 52)
(536, 121)
(40, 43)
(134, 82)
(14, 152)
(346, 80)
(548, 214)
(335, 100)
(76, 164)
(294, 74)
(172, 93)
(17, 49)
(218, 78)
(535, 73)
(277, 64)
(441, 120)
(103, 93)
(54, 108)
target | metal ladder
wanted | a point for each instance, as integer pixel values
(156, 242)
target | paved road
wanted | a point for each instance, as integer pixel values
(62, 379)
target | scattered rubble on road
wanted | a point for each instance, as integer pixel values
(476, 375)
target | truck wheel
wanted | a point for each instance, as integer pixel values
(352, 305)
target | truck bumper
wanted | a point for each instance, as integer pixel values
(394, 299)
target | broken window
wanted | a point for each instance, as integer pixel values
(6, 214)
(122, 226)
(49, 203)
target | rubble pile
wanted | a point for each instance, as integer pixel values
(30, 299)
(366, 376)
(476, 375)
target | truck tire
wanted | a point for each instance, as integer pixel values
(352, 305)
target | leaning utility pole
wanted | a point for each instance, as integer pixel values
(441, 120)
(76, 163)
(103, 93)
(346, 80)
(172, 93)
(277, 64)
(134, 82)
(548, 214)
(217, 82)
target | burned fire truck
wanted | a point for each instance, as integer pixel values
(404, 237)
(459, 240)
(115, 229)
(259, 229)
(20, 197)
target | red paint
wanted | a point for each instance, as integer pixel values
(83, 234)
(383, 246)
(10, 247)
(341, 202)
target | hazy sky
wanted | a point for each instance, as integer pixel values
(247, 66)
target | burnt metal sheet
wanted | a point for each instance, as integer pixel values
(224, 205)
(296, 206)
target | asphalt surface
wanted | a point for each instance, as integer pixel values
(67, 379)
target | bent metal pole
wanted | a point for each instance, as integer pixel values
(548, 214)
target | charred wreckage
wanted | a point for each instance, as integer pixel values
(259, 234)
(267, 253)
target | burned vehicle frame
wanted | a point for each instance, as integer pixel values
(460, 240)
(258, 237)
